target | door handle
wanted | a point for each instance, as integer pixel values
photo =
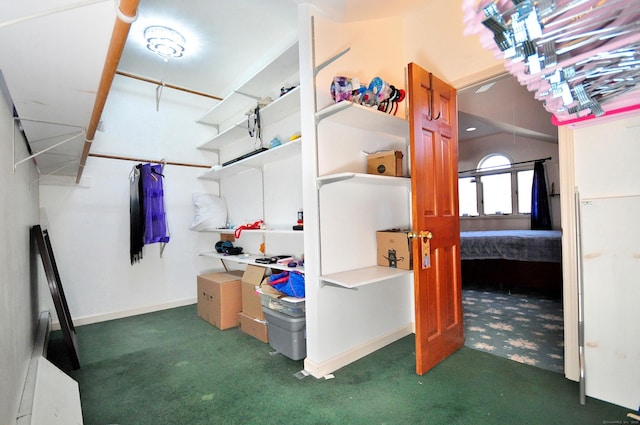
(425, 239)
(426, 234)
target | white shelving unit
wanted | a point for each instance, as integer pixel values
(261, 85)
(286, 150)
(229, 117)
(363, 119)
(273, 112)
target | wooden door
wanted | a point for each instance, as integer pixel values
(434, 183)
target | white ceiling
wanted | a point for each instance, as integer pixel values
(501, 105)
(52, 55)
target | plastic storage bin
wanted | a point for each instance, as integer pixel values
(287, 334)
(288, 305)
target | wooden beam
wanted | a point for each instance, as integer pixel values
(118, 39)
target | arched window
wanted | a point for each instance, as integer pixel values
(495, 187)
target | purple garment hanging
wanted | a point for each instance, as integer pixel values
(155, 218)
(540, 213)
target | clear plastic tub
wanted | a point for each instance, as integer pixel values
(288, 305)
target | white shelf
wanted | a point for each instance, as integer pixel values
(286, 150)
(249, 259)
(258, 231)
(364, 118)
(230, 135)
(353, 279)
(275, 111)
(362, 178)
(263, 84)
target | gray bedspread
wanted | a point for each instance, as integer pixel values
(520, 245)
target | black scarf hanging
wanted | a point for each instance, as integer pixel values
(136, 209)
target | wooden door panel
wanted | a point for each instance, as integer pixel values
(447, 201)
(434, 165)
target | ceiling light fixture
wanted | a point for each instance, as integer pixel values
(471, 129)
(164, 42)
(485, 87)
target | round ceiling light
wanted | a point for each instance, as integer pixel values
(164, 42)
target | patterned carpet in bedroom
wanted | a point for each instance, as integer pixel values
(522, 327)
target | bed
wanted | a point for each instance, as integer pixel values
(513, 259)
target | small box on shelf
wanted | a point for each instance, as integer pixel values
(385, 163)
(394, 249)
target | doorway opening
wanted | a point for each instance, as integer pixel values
(511, 308)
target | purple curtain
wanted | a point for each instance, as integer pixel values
(540, 216)
(155, 218)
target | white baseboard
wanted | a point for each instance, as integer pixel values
(39, 350)
(96, 318)
(323, 368)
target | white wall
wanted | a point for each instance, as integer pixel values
(518, 149)
(435, 40)
(89, 229)
(18, 289)
(89, 223)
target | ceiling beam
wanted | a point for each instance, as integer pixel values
(129, 9)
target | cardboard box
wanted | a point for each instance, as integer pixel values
(385, 163)
(220, 299)
(394, 249)
(255, 327)
(251, 303)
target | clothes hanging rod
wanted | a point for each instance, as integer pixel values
(171, 86)
(498, 166)
(126, 158)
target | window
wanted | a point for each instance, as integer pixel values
(496, 187)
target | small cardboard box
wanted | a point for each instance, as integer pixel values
(394, 249)
(251, 303)
(220, 299)
(255, 327)
(385, 163)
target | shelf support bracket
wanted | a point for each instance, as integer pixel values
(324, 283)
(258, 98)
(81, 132)
(329, 61)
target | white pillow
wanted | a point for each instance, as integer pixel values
(210, 212)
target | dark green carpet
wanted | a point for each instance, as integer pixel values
(171, 367)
